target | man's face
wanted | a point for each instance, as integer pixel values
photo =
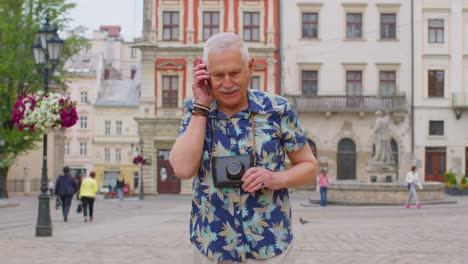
(229, 79)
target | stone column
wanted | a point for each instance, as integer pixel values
(190, 30)
(230, 27)
(271, 75)
(271, 26)
(26, 179)
(149, 21)
(189, 67)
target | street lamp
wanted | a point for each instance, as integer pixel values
(142, 194)
(47, 50)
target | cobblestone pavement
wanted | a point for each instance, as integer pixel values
(155, 230)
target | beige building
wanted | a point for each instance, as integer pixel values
(24, 176)
(174, 33)
(104, 82)
(341, 62)
(441, 87)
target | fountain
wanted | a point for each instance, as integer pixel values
(380, 188)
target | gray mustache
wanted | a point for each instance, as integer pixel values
(229, 90)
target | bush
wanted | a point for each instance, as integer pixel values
(450, 179)
(463, 183)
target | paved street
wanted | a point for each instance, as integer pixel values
(156, 231)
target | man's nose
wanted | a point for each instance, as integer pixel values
(227, 82)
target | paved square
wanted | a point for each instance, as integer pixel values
(155, 230)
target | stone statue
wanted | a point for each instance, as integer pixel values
(383, 149)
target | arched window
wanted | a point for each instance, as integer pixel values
(346, 159)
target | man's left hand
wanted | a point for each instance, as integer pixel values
(257, 178)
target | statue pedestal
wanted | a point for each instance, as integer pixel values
(380, 172)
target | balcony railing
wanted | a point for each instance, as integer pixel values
(343, 103)
(460, 100)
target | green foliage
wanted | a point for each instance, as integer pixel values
(450, 179)
(20, 21)
(463, 183)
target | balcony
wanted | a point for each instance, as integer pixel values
(349, 104)
(459, 103)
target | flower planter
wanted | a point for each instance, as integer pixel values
(452, 191)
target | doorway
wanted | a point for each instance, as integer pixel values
(168, 183)
(346, 159)
(435, 163)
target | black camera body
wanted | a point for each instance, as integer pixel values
(228, 171)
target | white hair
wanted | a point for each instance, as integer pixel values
(225, 41)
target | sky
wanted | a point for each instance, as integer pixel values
(94, 13)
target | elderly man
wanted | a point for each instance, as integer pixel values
(240, 209)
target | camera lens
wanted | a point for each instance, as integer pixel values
(234, 168)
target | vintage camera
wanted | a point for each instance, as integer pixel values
(228, 171)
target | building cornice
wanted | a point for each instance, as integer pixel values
(436, 9)
(436, 56)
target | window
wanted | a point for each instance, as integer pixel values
(132, 72)
(133, 53)
(210, 24)
(309, 25)
(251, 26)
(387, 83)
(171, 25)
(255, 83)
(436, 31)
(84, 97)
(436, 83)
(83, 122)
(106, 154)
(107, 127)
(436, 128)
(83, 149)
(309, 83)
(353, 26)
(118, 128)
(353, 83)
(388, 26)
(170, 91)
(67, 148)
(118, 154)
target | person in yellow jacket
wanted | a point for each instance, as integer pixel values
(88, 193)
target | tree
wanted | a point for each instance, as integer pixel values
(19, 22)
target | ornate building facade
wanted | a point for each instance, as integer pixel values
(174, 32)
(343, 61)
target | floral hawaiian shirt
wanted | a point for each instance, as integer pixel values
(228, 224)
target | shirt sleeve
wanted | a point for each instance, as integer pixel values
(188, 107)
(292, 138)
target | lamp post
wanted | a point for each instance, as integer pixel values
(47, 50)
(142, 194)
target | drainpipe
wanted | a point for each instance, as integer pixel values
(280, 53)
(412, 78)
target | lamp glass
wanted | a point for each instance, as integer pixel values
(39, 56)
(55, 47)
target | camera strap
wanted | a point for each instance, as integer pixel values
(252, 123)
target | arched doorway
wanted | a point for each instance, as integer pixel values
(346, 160)
(313, 147)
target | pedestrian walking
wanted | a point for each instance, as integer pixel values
(324, 180)
(51, 187)
(412, 180)
(240, 210)
(120, 186)
(88, 193)
(65, 188)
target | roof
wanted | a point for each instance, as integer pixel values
(118, 93)
(83, 64)
(112, 31)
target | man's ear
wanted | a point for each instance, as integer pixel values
(251, 64)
